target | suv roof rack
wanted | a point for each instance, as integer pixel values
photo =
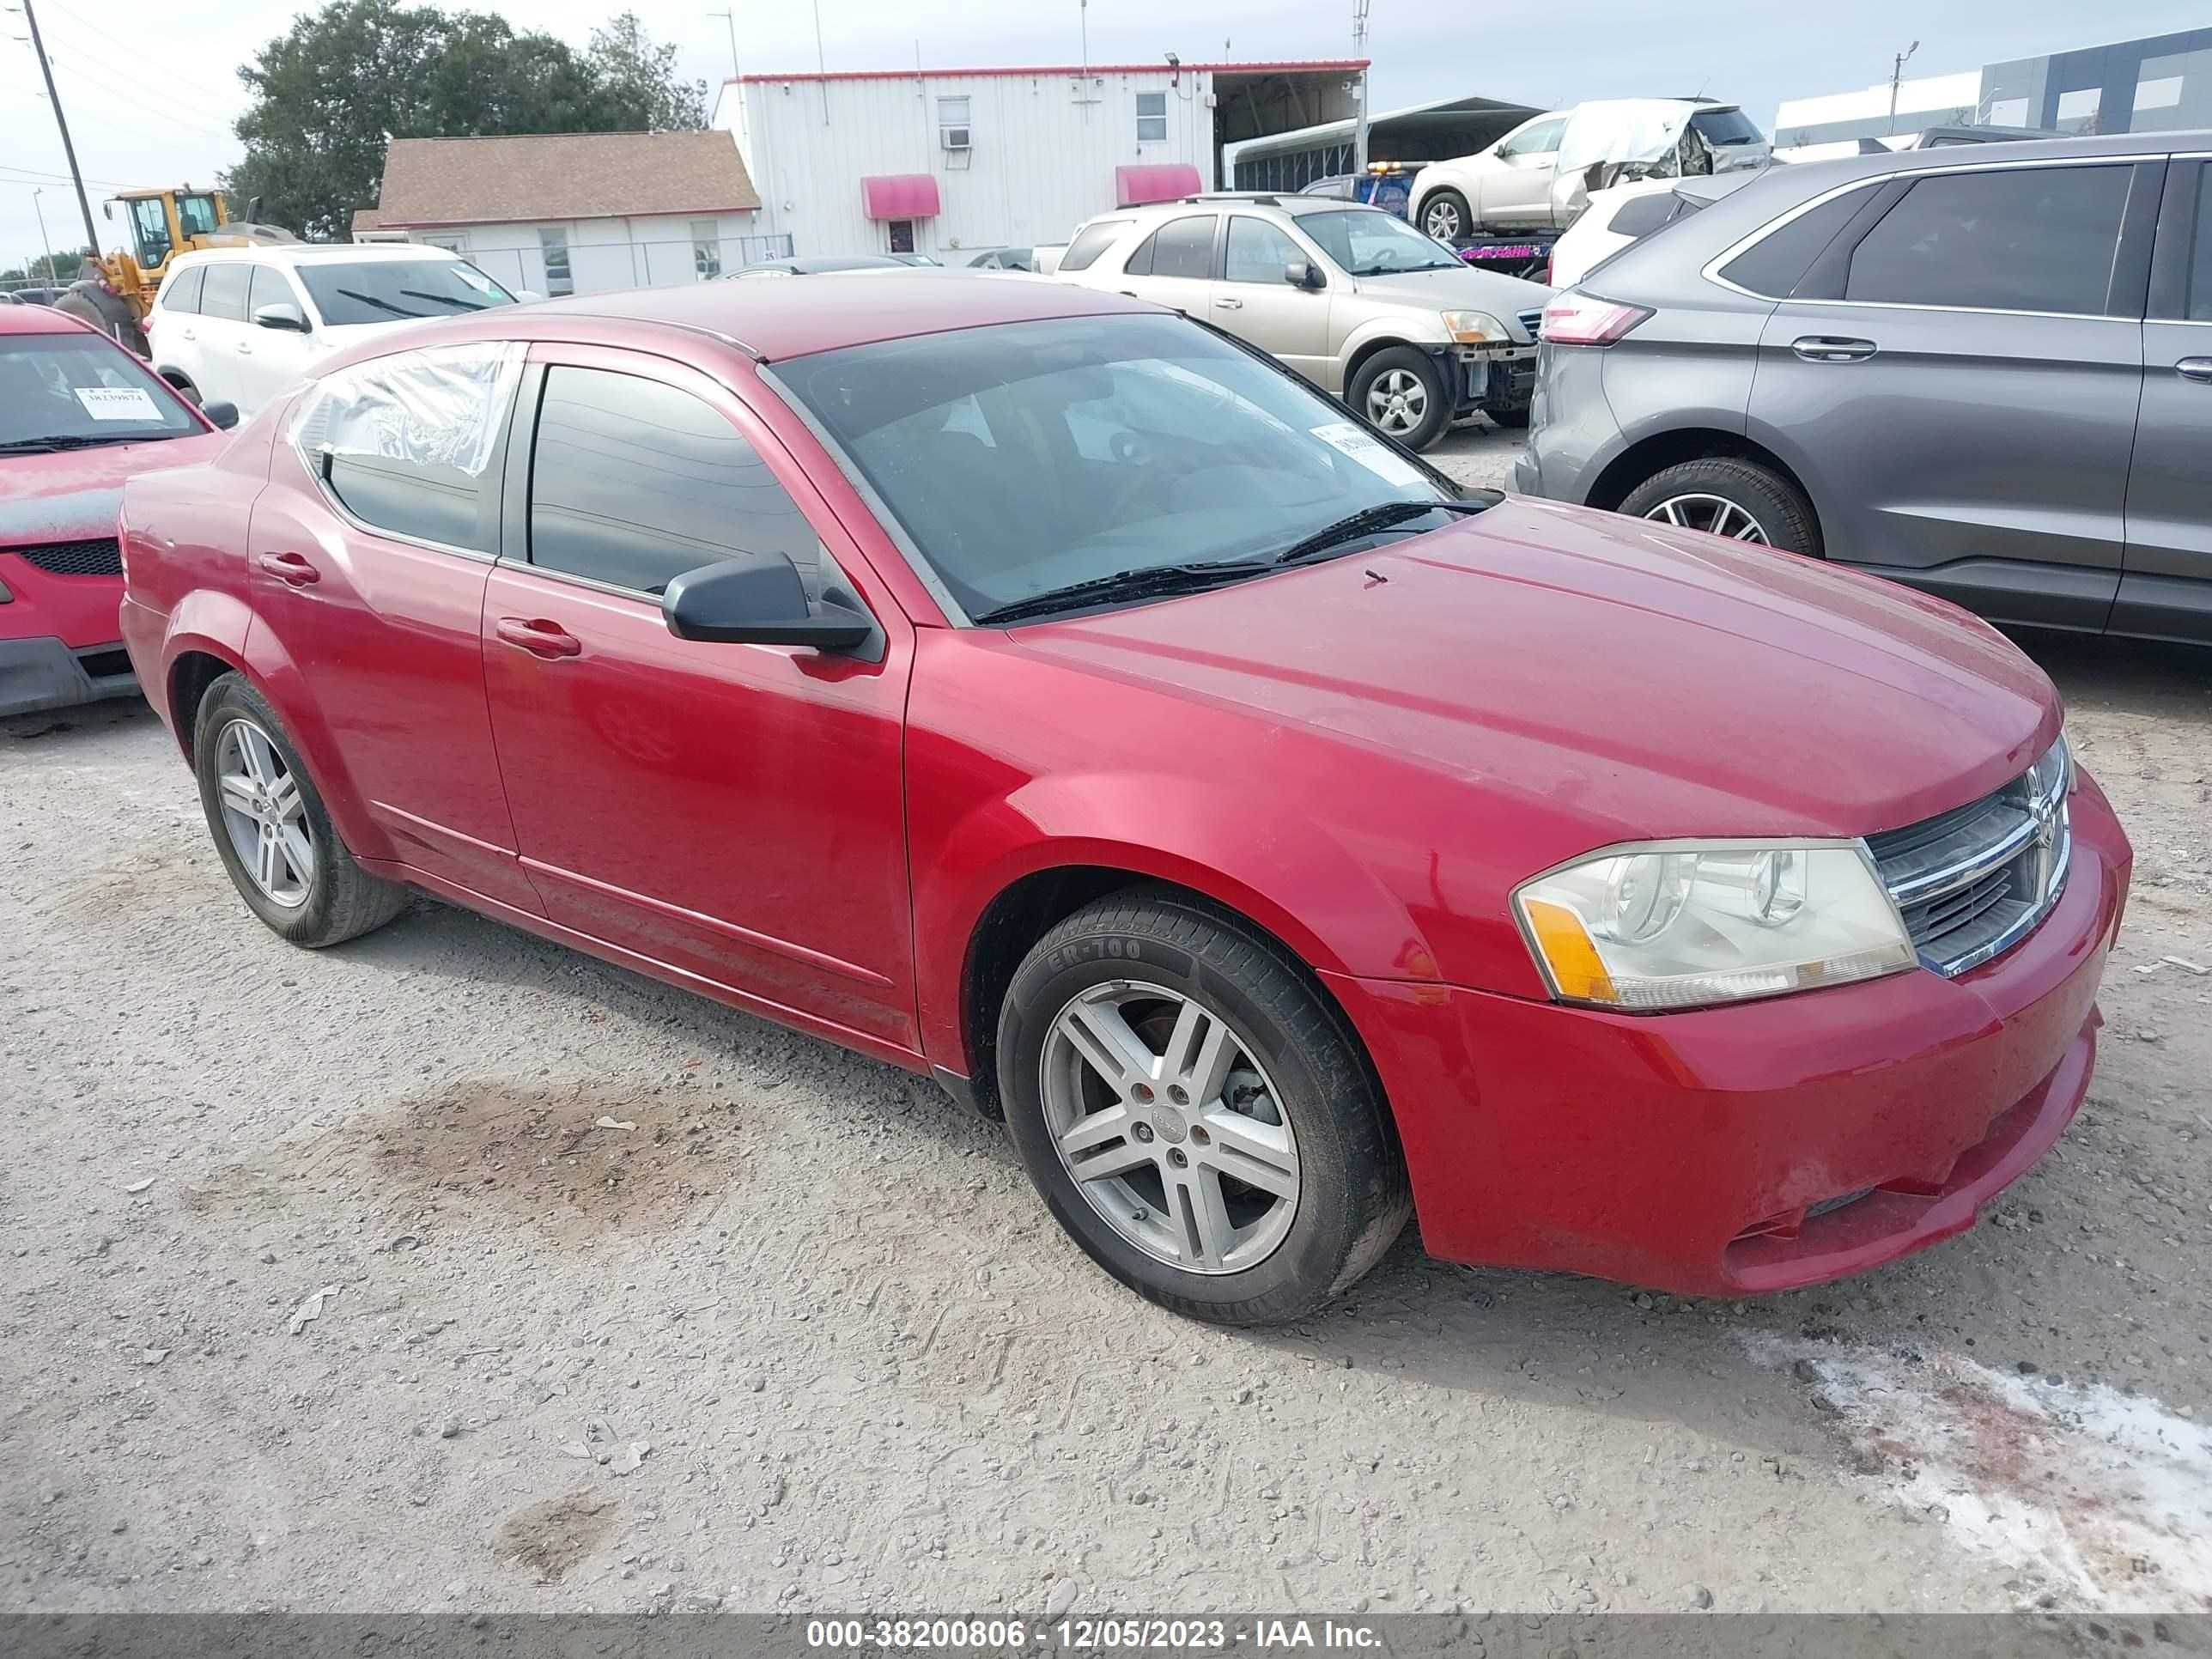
(1265, 198)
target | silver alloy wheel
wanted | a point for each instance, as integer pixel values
(1714, 514)
(1441, 221)
(1170, 1127)
(1397, 402)
(264, 814)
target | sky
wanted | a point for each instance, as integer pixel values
(151, 89)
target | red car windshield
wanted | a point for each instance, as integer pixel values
(75, 391)
(1027, 458)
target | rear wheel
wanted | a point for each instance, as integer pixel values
(1739, 499)
(1445, 215)
(1400, 392)
(271, 829)
(1193, 1113)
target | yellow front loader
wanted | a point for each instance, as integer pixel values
(163, 223)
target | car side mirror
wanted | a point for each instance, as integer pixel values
(757, 598)
(223, 415)
(1301, 273)
(282, 313)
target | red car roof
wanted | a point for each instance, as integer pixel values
(38, 319)
(778, 317)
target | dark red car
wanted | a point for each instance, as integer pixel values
(78, 416)
(1036, 689)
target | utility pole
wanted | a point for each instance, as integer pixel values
(47, 241)
(737, 78)
(1896, 74)
(1359, 130)
(84, 206)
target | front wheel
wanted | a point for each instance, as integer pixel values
(1400, 392)
(1193, 1113)
(1740, 500)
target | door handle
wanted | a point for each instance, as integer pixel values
(2194, 369)
(1828, 349)
(188, 335)
(1229, 304)
(290, 569)
(246, 346)
(538, 637)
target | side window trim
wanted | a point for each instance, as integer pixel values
(1831, 269)
(2180, 230)
(2127, 295)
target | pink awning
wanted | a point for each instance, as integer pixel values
(1170, 181)
(900, 196)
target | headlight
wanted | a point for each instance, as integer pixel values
(1476, 328)
(1683, 925)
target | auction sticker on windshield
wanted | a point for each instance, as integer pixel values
(117, 403)
(1369, 450)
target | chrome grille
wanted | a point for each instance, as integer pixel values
(99, 557)
(1973, 882)
(1532, 322)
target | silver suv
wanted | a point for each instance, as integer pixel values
(1356, 301)
(1986, 372)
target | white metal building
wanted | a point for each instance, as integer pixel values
(939, 161)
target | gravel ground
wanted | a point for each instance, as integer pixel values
(331, 1287)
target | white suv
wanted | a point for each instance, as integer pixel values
(1354, 299)
(237, 324)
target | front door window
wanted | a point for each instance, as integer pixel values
(150, 221)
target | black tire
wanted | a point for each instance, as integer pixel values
(1352, 1199)
(1438, 419)
(1783, 513)
(1513, 419)
(342, 900)
(1441, 205)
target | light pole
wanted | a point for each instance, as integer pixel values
(69, 150)
(730, 19)
(38, 208)
(1896, 74)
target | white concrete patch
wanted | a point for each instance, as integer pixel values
(2104, 1496)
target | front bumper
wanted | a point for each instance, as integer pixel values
(1695, 1152)
(45, 673)
(1486, 378)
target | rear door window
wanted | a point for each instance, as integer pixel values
(224, 293)
(2197, 302)
(182, 291)
(1180, 247)
(408, 443)
(2023, 238)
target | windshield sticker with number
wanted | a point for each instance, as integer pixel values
(1369, 452)
(118, 402)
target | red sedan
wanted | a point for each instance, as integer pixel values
(78, 416)
(1034, 689)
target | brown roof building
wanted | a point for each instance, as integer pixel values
(433, 183)
(575, 212)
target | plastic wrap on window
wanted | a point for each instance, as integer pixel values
(436, 406)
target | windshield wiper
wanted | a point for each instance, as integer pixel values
(59, 441)
(382, 305)
(441, 299)
(1150, 582)
(1366, 522)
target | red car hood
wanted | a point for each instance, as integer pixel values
(74, 495)
(1655, 682)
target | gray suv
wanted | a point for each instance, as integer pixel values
(1988, 374)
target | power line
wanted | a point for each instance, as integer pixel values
(103, 83)
(35, 176)
(76, 22)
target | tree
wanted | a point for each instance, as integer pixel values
(36, 273)
(332, 91)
